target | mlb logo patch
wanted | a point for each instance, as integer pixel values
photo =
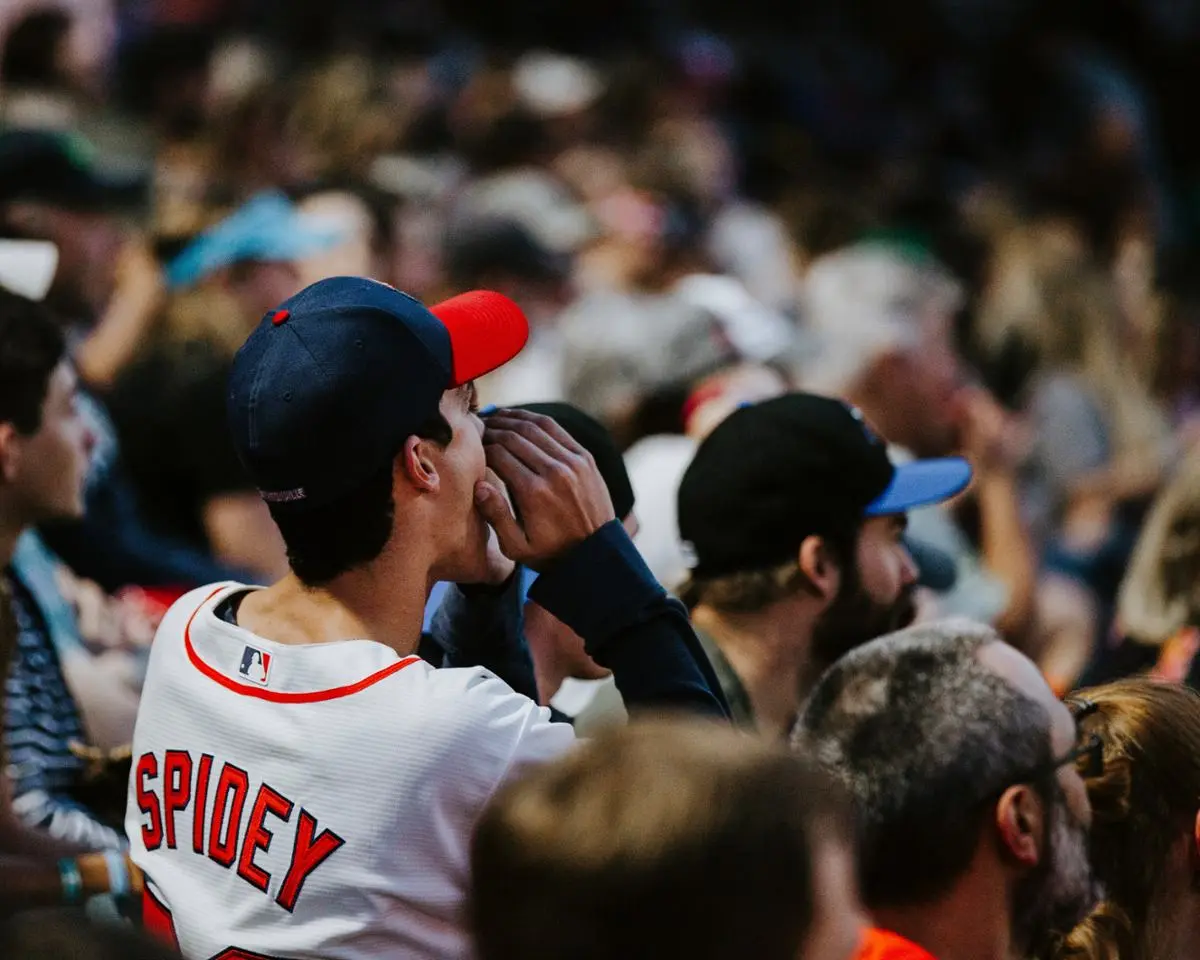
(255, 665)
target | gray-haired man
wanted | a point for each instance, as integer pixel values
(971, 814)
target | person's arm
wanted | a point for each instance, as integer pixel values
(1007, 550)
(603, 590)
(64, 820)
(1005, 546)
(127, 320)
(595, 580)
(18, 840)
(34, 754)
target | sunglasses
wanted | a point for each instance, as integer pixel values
(1089, 748)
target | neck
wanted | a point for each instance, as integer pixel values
(963, 925)
(768, 651)
(382, 601)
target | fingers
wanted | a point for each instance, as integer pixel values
(522, 484)
(508, 467)
(492, 505)
(526, 451)
(537, 428)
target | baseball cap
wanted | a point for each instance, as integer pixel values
(61, 169)
(330, 384)
(775, 472)
(267, 227)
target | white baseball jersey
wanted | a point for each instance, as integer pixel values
(317, 800)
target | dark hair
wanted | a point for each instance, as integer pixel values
(326, 541)
(751, 591)
(30, 55)
(922, 734)
(31, 346)
(664, 838)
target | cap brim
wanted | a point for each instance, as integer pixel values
(27, 267)
(486, 329)
(921, 483)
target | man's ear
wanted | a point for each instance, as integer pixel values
(1021, 823)
(10, 452)
(818, 565)
(418, 464)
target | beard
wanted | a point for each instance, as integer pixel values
(1062, 891)
(855, 618)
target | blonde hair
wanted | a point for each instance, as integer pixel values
(1161, 591)
(1145, 799)
(1049, 296)
(340, 117)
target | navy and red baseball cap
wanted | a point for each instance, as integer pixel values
(330, 385)
(800, 465)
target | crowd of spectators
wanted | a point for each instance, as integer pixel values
(973, 224)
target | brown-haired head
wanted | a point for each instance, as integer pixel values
(666, 838)
(1144, 818)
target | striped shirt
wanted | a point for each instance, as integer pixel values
(40, 721)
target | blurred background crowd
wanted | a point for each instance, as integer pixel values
(978, 220)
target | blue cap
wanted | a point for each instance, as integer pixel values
(329, 386)
(267, 227)
(921, 483)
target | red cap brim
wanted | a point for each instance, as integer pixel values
(487, 329)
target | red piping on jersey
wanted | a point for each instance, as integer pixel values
(316, 696)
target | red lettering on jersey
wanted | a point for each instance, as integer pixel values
(205, 767)
(258, 837)
(147, 801)
(307, 855)
(177, 788)
(231, 792)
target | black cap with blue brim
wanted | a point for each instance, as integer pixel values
(795, 466)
